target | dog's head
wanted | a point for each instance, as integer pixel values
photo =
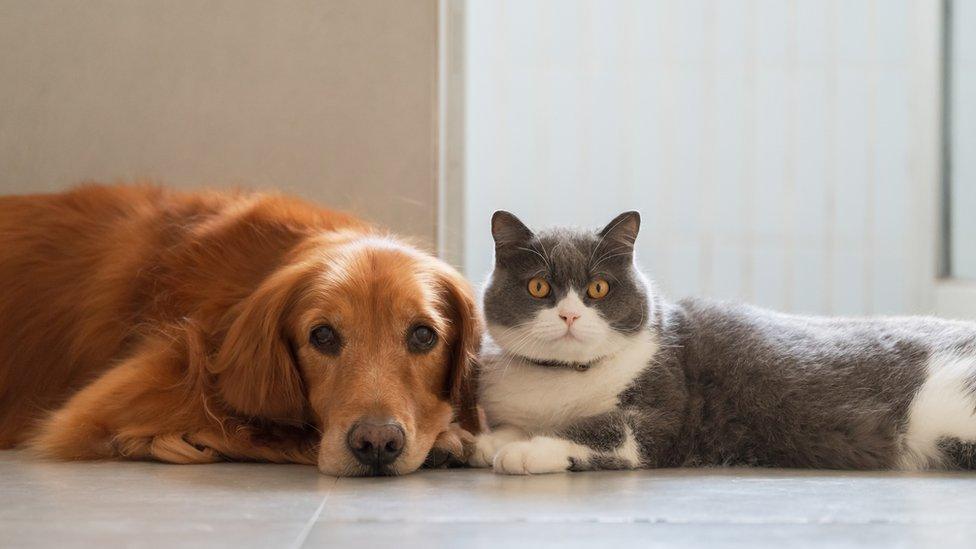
(368, 339)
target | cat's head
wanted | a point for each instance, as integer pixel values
(567, 295)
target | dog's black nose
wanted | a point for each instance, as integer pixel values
(376, 443)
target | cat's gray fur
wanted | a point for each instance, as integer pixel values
(731, 384)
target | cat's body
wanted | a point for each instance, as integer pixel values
(707, 383)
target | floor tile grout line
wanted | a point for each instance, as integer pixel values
(303, 535)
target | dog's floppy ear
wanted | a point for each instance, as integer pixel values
(256, 371)
(463, 383)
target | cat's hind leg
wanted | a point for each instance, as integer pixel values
(943, 410)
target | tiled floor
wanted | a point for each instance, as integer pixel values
(245, 505)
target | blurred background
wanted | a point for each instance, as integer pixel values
(808, 155)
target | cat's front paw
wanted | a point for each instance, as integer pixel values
(535, 456)
(486, 445)
(483, 451)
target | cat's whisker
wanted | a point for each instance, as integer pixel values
(639, 322)
(609, 257)
(516, 349)
(536, 252)
(513, 328)
(547, 255)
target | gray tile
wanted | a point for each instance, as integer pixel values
(645, 535)
(107, 491)
(143, 533)
(46, 504)
(744, 496)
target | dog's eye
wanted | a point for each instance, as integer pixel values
(326, 339)
(421, 338)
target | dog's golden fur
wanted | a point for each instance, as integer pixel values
(142, 323)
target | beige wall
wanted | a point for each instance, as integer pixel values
(335, 100)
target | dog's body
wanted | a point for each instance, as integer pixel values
(171, 326)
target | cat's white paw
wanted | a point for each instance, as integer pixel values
(486, 445)
(535, 456)
(484, 451)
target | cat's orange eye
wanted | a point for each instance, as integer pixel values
(597, 288)
(538, 287)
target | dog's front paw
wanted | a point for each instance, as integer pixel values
(451, 449)
(534, 456)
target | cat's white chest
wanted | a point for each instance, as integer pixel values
(542, 399)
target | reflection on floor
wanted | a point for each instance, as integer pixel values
(251, 505)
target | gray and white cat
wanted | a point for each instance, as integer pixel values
(586, 367)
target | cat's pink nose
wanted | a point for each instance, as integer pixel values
(568, 317)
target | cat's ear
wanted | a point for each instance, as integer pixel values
(623, 229)
(508, 230)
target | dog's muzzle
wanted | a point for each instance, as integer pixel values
(376, 443)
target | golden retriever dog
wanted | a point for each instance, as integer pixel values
(142, 323)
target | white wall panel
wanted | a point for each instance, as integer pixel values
(766, 142)
(963, 138)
